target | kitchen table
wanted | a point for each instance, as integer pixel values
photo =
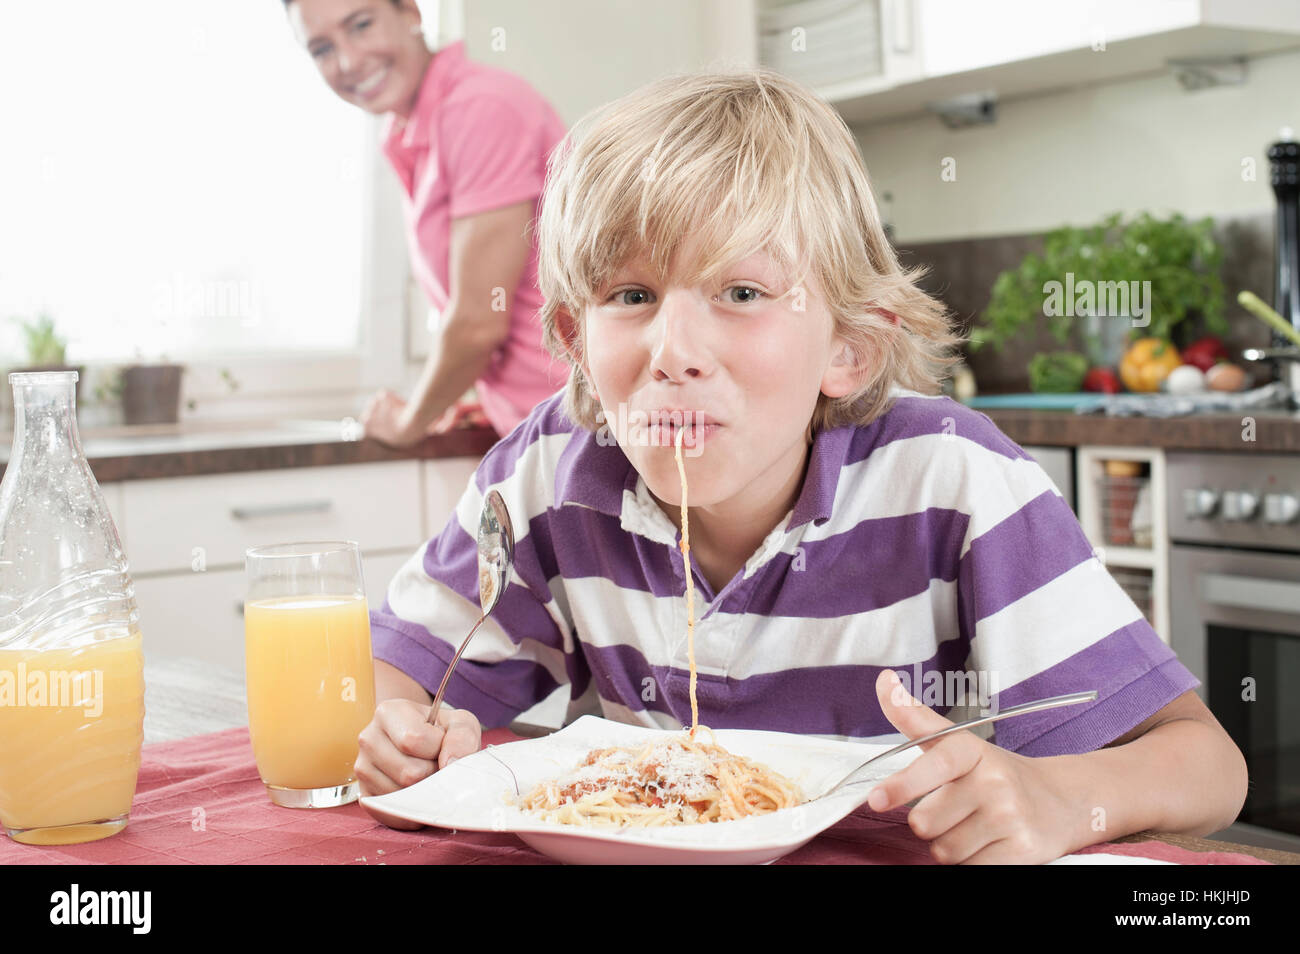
(199, 801)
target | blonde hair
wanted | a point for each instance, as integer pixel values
(748, 161)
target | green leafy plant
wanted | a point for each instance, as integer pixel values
(44, 346)
(1179, 257)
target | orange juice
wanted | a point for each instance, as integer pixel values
(311, 687)
(71, 725)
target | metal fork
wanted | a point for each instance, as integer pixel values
(1042, 704)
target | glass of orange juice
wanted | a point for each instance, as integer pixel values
(310, 676)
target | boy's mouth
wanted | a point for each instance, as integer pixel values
(665, 423)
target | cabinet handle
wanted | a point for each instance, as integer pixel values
(280, 510)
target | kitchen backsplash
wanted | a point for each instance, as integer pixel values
(962, 272)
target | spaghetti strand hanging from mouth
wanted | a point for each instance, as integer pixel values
(690, 583)
(671, 781)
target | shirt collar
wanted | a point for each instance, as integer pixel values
(599, 476)
(415, 131)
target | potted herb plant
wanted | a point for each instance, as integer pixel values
(151, 393)
(1161, 271)
(46, 349)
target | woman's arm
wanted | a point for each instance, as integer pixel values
(487, 258)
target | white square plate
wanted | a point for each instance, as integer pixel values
(477, 793)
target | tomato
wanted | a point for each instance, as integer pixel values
(1103, 380)
(1205, 353)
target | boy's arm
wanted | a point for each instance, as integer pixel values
(392, 683)
(1178, 771)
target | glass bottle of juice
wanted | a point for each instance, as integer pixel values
(71, 666)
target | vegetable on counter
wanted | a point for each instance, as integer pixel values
(1147, 363)
(1057, 372)
(1205, 353)
(1101, 380)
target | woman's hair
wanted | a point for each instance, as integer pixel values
(749, 161)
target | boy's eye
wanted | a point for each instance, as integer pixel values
(753, 294)
(319, 51)
(622, 296)
(360, 25)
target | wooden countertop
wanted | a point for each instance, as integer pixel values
(1274, 431)
(187, 450)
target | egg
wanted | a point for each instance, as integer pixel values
(1185, 379)
(1225, 377)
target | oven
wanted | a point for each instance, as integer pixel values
(1234, 571)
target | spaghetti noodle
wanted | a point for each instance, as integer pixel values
(671, 781)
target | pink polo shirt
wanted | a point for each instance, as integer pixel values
(478, 140)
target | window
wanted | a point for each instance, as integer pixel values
(176, 180)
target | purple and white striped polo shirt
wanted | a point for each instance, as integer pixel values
(927, 542)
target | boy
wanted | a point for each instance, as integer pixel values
(713, 262)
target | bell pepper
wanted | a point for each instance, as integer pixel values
(1205, 353)
(1147, 363)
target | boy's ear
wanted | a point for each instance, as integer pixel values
(570, 333)
(847, 371)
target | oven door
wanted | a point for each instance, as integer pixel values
(1235, 623)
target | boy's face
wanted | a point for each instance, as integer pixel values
(746, 363)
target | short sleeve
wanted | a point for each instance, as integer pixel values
(493, 151)
(1045, 618)
(515, 660)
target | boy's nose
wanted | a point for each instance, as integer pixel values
(678, 349)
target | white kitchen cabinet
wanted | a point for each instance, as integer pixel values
(185, 538)
(445, 480)
(842, 48)
(1125, 519)
(934, 50)
(181, 524)
(195, 615)
(200, 614)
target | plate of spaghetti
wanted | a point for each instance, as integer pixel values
(535, 788)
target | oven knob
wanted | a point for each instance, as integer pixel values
(1199, 502)
(1239, 504)
(1280, 508)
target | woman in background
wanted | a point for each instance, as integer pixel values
(469, 143)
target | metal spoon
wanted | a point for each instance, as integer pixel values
(496, 556)
(1050, 703)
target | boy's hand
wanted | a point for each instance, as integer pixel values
(399, 748)
(982, 804)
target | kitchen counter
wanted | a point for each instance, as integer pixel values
(188, 449)
(1275, 431)
(191, 449)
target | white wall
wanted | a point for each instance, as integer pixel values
(1073, 156)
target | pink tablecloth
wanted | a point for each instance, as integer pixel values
(200, 801)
